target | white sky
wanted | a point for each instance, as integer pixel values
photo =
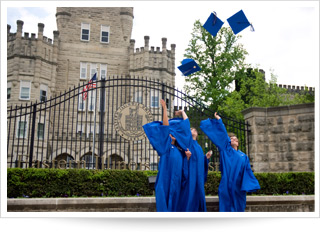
(285, 40)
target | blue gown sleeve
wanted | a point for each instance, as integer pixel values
(185, 168)
(158, 135)
(206, 166)
(180, 129)
(216, 131)
(185, 171)
(249, 181)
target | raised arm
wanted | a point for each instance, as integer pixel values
(216, 131)
(165, 115)
(216, 116)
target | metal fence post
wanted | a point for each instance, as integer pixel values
(101, 121)
(32, 134)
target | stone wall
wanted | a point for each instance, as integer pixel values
(148, 204)
(281, 138)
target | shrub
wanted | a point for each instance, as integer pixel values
(114, 183)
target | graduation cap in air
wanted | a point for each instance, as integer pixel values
(239, 22)
(188, 67)
(213, 24)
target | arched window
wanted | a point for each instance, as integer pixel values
(88, 159)
(113, 161)
(63, 161)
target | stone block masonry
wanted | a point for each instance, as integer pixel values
(304, 203)
(281, 138)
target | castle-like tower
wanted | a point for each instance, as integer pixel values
(87, 41)
(31, 65)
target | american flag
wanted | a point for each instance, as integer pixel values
(91, 85)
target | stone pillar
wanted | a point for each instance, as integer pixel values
(55, 45)
(173, 57)
(164, 53)
(146, 43)
(281, 138)
(40, 31)
(131, 56)
(19, 28)
(8, 31)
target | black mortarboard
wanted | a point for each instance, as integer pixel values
(188, 67)
(213, 24)
(238, 22)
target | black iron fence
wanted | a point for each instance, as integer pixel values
(104, 131)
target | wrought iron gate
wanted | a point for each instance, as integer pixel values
(104, 131)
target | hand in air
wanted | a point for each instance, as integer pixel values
(216, 116)
(178, 113)
(209, 154)
(188, 153)
(163, 104)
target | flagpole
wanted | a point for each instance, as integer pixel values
(94, 127)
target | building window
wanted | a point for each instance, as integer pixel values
(154, 100)
(25, 87)
(168, 103)
(85, 31)
(22, 129)
(83, 70)
(138, 97)
(43, 92)
(92, 100)
(81, 103)
(90, 129)
(88, 161)
(105, 31)
(40, 130)
(93, 69)
(8, 90)
(103, 71)
(80, 129)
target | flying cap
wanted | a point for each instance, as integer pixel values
(213, 24)
(239, 22)
(188, 67)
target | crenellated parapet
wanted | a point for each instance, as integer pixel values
(151, 61)
(31, 58)
(28, 45)
(297, 89)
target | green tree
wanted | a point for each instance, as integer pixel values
(253, 91)
(219, 58)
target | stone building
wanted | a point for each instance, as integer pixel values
(87, 41)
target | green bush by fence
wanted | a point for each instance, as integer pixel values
(113, 183)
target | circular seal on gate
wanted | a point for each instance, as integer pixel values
(129, 119)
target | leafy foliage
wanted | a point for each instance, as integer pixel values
(114, 183)
(219, 58)
(222, 61)
(253, 91)
(76, 182)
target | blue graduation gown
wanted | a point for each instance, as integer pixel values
(236, 175)
(169, 177)
(192, 197)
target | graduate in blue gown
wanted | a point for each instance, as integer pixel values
(236, 175)
(170, 175)
(192, 197)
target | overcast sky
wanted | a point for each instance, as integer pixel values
(285, 41)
